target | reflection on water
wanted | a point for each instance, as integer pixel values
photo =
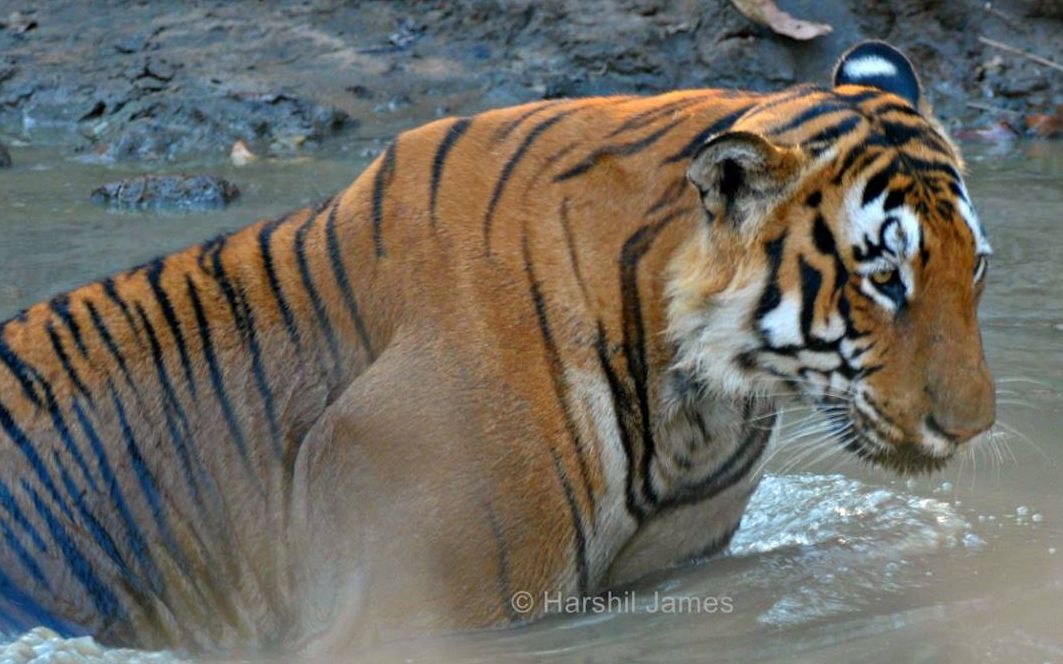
(834, 561)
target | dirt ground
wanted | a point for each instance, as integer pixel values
(167, 80)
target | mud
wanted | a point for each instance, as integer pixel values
(150, 82)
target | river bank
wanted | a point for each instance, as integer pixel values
(168, 81)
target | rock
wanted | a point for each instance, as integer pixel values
(17, 23)
(5, 157)
(181, 192)
(149, 130)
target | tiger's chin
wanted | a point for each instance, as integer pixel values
(903, 456)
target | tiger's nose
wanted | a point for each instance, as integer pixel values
(956, 432)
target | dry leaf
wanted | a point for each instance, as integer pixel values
(1045, 125)
(998, 132)
(765, 12)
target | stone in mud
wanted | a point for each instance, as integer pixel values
(168, 129)
(5, 157)
(179, 192)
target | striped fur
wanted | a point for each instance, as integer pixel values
(520, 352)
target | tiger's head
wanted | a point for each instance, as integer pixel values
(842, 260)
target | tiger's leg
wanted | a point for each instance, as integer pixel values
(681, 534)
(420, 503)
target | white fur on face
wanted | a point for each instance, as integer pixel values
(782, 325)
(868, 66)
(888, 238)
(970, 217)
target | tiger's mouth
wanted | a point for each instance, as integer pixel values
(887, 447)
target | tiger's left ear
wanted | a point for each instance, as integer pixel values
(742, 175)
(876, 64)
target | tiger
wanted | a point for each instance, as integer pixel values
(539, 349)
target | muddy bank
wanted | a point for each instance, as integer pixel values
(163, 81)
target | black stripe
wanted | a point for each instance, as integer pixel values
(214, 369)
(147, 482)
(808, 115)
(511, 164)
(245, 324)
(264, 237)
(24, 557)
(99, 534)
(671, 194)
(106, 603)
(825, 244)
(154, 275)
(857, 98)
(503, 565)
(64, 361)
(134, 538)
(456, 130)
(557, 371)
(877, 183)
(60, 305)
(112, 294)
(26, 375)
(29, 451)
(811, 281)
(787, 96)
(895, 198)
(508, 128)
(858, 151)
(718, 125)
(649, 116)
(109, 343)
(832, 133)
(622, 411)
(343, 280)
(14, 510)
(902, 133)
(621, 150)
(171, 408)
(894, 107)
(771, 297)
(637, 246)
(61, 428)
(730, 472)
(384, 174)
(316, 303)
(570, 242)
(577, 525)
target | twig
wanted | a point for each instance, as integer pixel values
(1004, 17)
(992, 109)
(1029, 56)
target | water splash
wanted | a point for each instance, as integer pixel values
(831, 543)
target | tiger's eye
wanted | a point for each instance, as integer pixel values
(883, 277)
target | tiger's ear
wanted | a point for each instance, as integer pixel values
(876, 64)
(742, 175)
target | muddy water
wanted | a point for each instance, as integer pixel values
(834, 561)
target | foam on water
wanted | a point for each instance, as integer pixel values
(840, 540)
(43, 646)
